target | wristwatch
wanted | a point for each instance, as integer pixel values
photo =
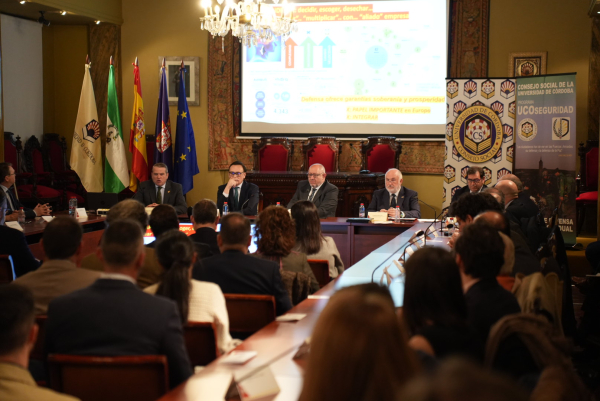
(402, 215)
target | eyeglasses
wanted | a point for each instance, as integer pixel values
(474, 181)
(234, 174)
(314, 175)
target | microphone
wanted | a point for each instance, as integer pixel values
(411, 241)
(414, 239)
(432, 224)
(428, 205)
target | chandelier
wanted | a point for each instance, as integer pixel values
(248, 20)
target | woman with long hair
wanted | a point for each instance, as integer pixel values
(358, 350)
(434, 306)
(311, 241)
(197, 301)
(275, 233)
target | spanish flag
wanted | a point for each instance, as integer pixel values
(137, 138)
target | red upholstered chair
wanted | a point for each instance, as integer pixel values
(273, 154)
(587, 190)
(249, 313)
(201, 342)
(43, 180)
(324, 150)
(54, 151)
(380, 153)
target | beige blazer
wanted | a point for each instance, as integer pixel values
(16, 383)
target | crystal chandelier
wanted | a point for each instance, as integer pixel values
(248, 20)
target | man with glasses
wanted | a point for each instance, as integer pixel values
(241, 196)
(160, 190)
(7, 180)
(475, 183)
(318, 191)
(394, 194)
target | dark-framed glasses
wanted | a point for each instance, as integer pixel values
(235, 174)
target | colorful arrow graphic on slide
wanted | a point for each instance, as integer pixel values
(289, 53)
(308, 52)
(327, 45)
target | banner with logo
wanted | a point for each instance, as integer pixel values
(546, 145)
(480, 115)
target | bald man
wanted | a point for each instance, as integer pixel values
(514, 207)
(394, 194)
(530, 206)
(318, 191)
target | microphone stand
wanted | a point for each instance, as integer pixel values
(429, 206)
(410, 242)
(432, 224)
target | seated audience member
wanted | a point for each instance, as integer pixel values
(592, 254)
(496, 193)
(113, 317)
(434, 307)
(475, 183)
(13, 243)
(309, 239)
(479, 256)
(205, 219)
(59, 274)
(460, 380)
(372, 363)
(163, 219)
(240, 195)
(161, 190)
(467, 207)
(151, 271)
(524, 261)
(394, 194)
(506, 278)
(236, 272)
(318, 191)
(524, 197)
(18, 334)
(275, 238)
(197, 301)
(515, 207)
(7, 182)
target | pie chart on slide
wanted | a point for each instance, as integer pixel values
(377, 57)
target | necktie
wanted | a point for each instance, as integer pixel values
(234, 201)
(312, 194)
(159, 198)
(393, 202)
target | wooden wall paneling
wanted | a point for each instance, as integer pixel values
(468, 42)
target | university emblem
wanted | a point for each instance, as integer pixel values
(527, 129)
(510, 153)
(454, 189)
(498, 156)
(487, 174)
(459, 107)
(463, 174)
(512, 107)
(449, 129)
(488, 89)
(477, 103)
(451, 89)
(470, 88)
(477, 134)
(455, 155)
(507, 89)
(501, 173)
(507, 135)
(561, 127)
(92, 131)
(498, 108)
(449, 174)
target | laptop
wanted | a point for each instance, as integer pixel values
(101, 200)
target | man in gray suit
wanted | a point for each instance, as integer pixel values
(161, 190)
(318, 191)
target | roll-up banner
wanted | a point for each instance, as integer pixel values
(545, 155)
(480, 115)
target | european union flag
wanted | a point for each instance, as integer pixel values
(163, 153)
(186, 163)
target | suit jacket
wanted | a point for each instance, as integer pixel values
(248, 200)
(13, 243)
(29, 213)
(326, 198)
(172, 195)
(462, 191)
(150, 273)
(238, 273)
(408, 200)
(525, 260)
(114, 317)
(208, 236)
(295, 262)
(16, 383)
(522, 208)
(53, 279)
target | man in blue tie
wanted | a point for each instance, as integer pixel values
(241, 196)
(7, 180)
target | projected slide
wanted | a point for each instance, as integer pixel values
(357, 67)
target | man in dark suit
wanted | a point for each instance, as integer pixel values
(515, 208)
(113, 316)
(7, 181)
(529, 206)
(161, 190)
(318, 191)
(236, 272)
(480, 255)
(205, 219)
(475, 183)
(13, 243)
(394, 194)
(241, 196)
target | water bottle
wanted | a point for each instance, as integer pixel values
(21, 216)
(278, 203)
(361, 210)
(397, 217)
(73, 207)
(225, 209)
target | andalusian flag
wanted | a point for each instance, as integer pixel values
(137, 138)
(86, 151)
(116, 174)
